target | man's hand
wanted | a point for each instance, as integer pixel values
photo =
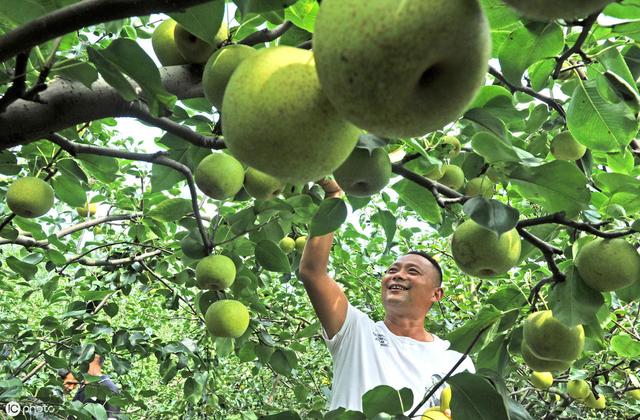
(331, 188)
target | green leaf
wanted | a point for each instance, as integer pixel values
(330, 215)
(303, 13)
(96, 410)
(203, 20)
(370, 142)
(163, 178)
(112, 74)
(73, 69)
(492, 214)
(26, 270)
(556, 186)
(598, 124)
(573, 302)
(473, 397)
(629, 293)
(55, 362)
(285, 415)
(104, 168)
(387, 220)
(192, 390)
(626, 346)
(385, 399)
(280, 363)
(261, 6)
(270, 256)
(69, 190)
(171, 210)
(462, 337)
(495, 149)
(120, 365)
(419, 199)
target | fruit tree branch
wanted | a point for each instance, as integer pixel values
(120, 261)
(548, 251)
(266, 35)
(426, 182)
(561, 219)
(79, 15)
(517, 88)
(154, 158)
(586, 24)
(18, 86)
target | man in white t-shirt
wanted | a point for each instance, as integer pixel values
(397, 351)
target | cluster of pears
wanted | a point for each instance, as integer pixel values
(288, 244)
(174, 45)
(30, 197)
(579, 390)
(438, 412)
(549, 345)
(227, 317)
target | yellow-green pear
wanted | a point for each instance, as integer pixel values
(30, 197)
(219, 69)
(479, 252)
(541, 380)
(445, 398)
(219, 176)
(435, 173)
(565, 147)
(608, 264)
(215, 272)
(452, 177)
(164, 44)
(480, 186)
(434, 415)
(599, 403)
(89, 209)
(547, 338)
(260, 185)
(287, 244)
(450, 145)
(194, 49)
(278, 120)
(547, 365)
(634, 393)
(578, 389)
(227, 318)
(545, 10)
(364, 173)
(401, 68)
(301, 241)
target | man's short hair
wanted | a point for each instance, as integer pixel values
(62, 373)
(100, 359)
(432, 261)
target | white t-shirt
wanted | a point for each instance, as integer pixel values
(367, 354)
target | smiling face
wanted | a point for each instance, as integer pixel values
(69, 382)
(410, 286)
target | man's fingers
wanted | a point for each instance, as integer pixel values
(447, 413)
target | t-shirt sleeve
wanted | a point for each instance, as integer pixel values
(354, 318)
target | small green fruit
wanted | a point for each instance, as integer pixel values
(194, 49)
(287, 244)
(193, 247)
(364, 173)
(260, 185)
(452, 177)
(598, 404)
(30, 197)
(219, 176)
(301, 241)
(445, 398)
(450, 146)
(608, 264)
(542, 380)
(578, 389)
(219, 69)
(634, 393)
(215, 272)
(435, 173)
(227, 318)
(480, 252)
(480, 186)
(164, 44)
(565, 147)
(88, 209)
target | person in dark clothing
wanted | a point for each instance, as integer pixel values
(95, 369)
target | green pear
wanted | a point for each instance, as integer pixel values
(480, 186)
(599, 403)
(608, 264)
(541, 380)
(287, 244)
(89, 209)
(164, 44)
(547, 365)
(219, 69)
(192, 246)
(450, 146)
(227, 318)
(634, 393)
(452, 177)
(260, 185)
(479, 252)
(30, 197)
(215, 272)
(219, 176)
(364, 173)
(435, 173)
(565, 147)
(578, 389)
(549, 339)
(278, 120)
(194, 49)
(301, 241)
(401, 68)
(546, 10)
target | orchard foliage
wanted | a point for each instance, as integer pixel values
(77, 102)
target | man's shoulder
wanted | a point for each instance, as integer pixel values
(108, 383)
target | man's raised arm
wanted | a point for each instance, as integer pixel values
(328, 300)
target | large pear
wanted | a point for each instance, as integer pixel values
(219, 69)
(277, 119)
(546, 10)
(260, 185)
(227, 318)
(194, 49)
(219, 176)
(215, 272)
(364, 173)
(30, 197)
(480, 252)
(164, 44)
(608, 264)
(401, 68)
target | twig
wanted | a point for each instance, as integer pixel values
(18, 86)
(586, 24)
(306, 45)
(517, 88)
(534, 295)
(631, 333)
(120, 261)
(266, 35)
(548, 251)
(78, 257)
(155, 158)
(40, 85)
(561, 219)
(35, 370)
(425, 182)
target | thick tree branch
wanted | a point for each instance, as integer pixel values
(266, 35)
(80, 15)
(516, 88)
(155, 158)
(586, 24)
(67, 103)
(561, 219)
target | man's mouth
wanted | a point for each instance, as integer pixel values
(397, 287)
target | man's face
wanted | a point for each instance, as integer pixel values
(70, 382)
(412, 283)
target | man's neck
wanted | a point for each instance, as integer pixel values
(94, 369)
(407, 327)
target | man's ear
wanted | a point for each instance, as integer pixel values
(438, 294)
